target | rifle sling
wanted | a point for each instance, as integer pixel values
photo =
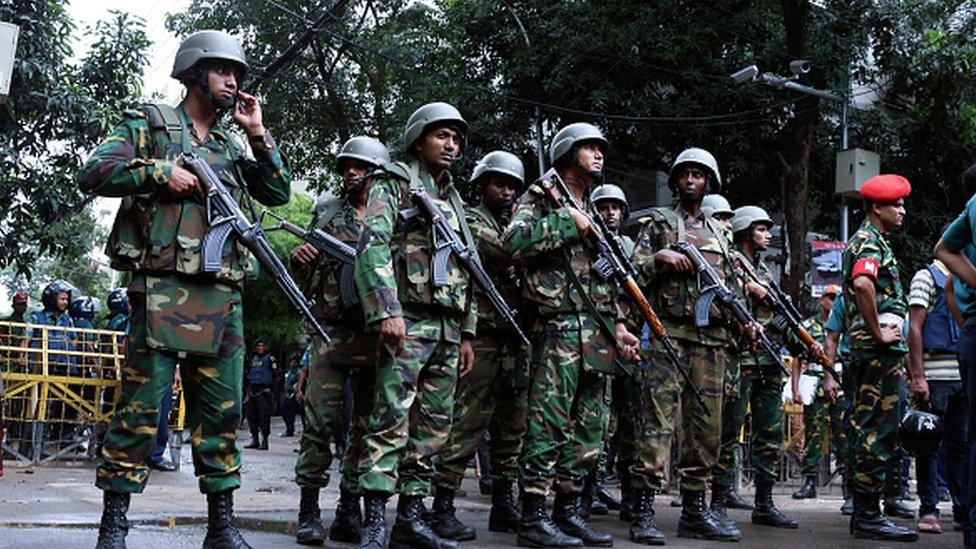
(601, 321)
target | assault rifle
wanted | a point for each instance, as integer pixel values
(224, 217)
(710, 286)
(447, 242)
(612, 263)
(794, 321)
(331, 246)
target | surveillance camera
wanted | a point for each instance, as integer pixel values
(745, 75)
(800, 67)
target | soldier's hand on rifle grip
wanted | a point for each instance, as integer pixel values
(183, 183)
(628, 345)
(583, 225)
(392, 332)
(304, 254)
(758, 291)
(466, 360)
(677, 261)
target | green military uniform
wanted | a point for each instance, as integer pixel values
(876, 369)
(350, 355)
(571, 355)
(674, 296)
(821, 414)
(494, 394)
(411, 417)
(178, 312)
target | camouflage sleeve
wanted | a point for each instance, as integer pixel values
(866, 256)
(375, 280)
(268, 176)
(491, 247)
(531, 233)
(470, 324)
(122, 164)
(648, 243)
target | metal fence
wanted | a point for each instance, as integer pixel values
(61, 388)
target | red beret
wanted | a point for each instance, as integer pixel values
(886, 187)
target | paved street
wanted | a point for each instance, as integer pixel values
(60, 507)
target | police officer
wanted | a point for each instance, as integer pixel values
(349, 358)
(425, 329)
(258, 380)
(761, 381)
(668, 279)
(494, 396)
(156, 236)
(574, 339)
(118, 311)
(876, 309)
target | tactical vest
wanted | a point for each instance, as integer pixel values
(260, 371)
(940, 334)
(158, 234)
(412, 247)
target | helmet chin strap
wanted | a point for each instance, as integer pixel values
(596, 177)
(203, 80)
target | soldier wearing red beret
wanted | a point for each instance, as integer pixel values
(875, 311)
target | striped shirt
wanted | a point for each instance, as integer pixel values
(938, 367)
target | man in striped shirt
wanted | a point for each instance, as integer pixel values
(933, 343)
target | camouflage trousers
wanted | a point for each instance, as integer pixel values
(493, 396)
(760, 393)
(567, 415)
(411, 416)
(724, 471)
(662, 390)
(212, 389)
(622, 391)
(821, 417)
(877, 381)
(327, 375)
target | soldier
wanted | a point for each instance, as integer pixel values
(573, 345)
(259, 376)
(178, 311)
(718, 208)
(876, 309)
(611, 204)
(824, 412)
(350, 357)
(669, 281)
(761, 381)
(494, 396)
(425, 329)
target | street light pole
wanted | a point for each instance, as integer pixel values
(538, 114)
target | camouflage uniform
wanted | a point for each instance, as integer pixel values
(876, 369)
(571, 355)
(178, 312)
(350, 356)
(494, 395)
(411, 417)
(820, 412)
(673, 296)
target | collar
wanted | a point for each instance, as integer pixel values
(216, 132)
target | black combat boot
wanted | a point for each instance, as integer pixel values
(607, 498)
(264, 441)
(847, 509)
(720, 495)
(696, 521)
(589, 504)
(537, 529)
(736, 501)
(374, 522)
(114, 526)
(310, 529)
(893, 504)
(443, 519)
(867, 522)
(348, 524)
(626, 502)
(222, 533)
(566, 515)
(808, 490)
(410, 529)
(255, 442)
(642, 528)
(504, 515)
(766, 513)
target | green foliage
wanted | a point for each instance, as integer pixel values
(54, 115)
(267, 313)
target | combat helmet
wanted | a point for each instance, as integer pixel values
(608, 191)
(716, 204)
(208, 44)
(567, 137)
(747, 216)
(365, 149)
(433, 113)
(704, 159)
(501, 162)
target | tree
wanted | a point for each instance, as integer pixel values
(55, 113)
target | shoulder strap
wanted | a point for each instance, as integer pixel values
(326, 210)
(671, 219)
(164, 118)
(937, 277)
(458, 205)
